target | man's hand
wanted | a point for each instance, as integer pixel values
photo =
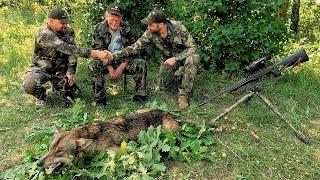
(71, 79)
(108, 58)
(170, 62)
(119, 71)
(103, 56)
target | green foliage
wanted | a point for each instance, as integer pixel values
(141, 159)
(74, 116)
(157, 105)
(229, 33)
(232, 33)
(193, 144)
(309, 20)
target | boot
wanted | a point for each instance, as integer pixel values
(183, 102)
(140, 100)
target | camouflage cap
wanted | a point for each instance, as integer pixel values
(60, 15)
(114, 9)
(155, 16)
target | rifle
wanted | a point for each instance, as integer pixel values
(258, 69)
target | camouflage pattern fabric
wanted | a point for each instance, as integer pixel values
(102, 38)
(180, 76)
(35, 78)
(97, 71)
(53, 50)
(179, 44)
(136, 67)
(54, 53)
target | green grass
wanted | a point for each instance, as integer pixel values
(251, 143)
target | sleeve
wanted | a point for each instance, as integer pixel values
(97, 42)
(72, 60)
(133, 49)
(189, 42)
(53, 41)
(131, 38)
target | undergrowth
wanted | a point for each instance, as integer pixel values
(141, 159)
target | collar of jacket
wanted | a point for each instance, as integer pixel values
(170, 27)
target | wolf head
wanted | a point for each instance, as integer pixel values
(66, 146)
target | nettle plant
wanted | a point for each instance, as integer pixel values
(136, 159)
(143, 158)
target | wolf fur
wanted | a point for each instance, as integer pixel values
(102, 136)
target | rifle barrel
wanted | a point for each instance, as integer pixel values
(211, 98)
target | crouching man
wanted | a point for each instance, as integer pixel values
(54, 60)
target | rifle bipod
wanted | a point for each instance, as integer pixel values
(257, 91)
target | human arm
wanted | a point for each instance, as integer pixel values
(51, 40)
(133, 49)
(72, 61)
(119, 71)
(188, 41)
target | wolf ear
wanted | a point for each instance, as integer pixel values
(58, 131)
(58, 135)
(83, 143)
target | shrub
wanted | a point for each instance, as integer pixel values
(229, 33)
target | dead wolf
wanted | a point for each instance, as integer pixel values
(102, 136)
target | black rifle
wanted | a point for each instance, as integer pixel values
(256, 70)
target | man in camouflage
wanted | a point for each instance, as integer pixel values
(55, 60)
(113, 35)
(178, 47)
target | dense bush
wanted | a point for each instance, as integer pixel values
(309, 21)
(229, 33)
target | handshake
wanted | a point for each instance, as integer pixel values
(103, 56)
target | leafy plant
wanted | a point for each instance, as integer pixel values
(74, 116)
(141, 159)
(229, 33)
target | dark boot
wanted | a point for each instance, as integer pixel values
(140, 100)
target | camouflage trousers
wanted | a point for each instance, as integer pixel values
(35, 78)
(180, 76)
(136, 67)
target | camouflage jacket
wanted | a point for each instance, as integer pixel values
(179, 43)
(57, 51)
(102, 37)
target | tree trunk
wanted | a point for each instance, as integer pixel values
(295, 16)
